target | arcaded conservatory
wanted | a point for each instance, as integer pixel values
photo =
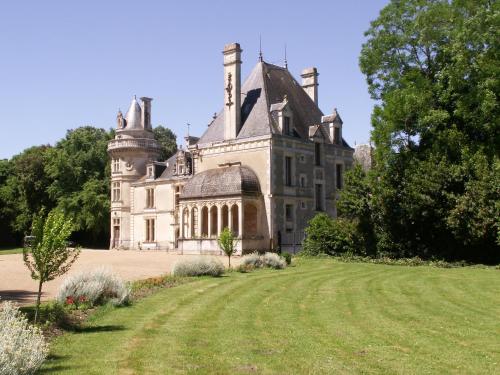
(266, 164)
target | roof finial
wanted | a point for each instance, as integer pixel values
(286, 62)
(260, 48)
(188, 125)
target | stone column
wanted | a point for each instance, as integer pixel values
(230, 217)
(181, 221)
(240, 218)
(219, 219)
(200, 221)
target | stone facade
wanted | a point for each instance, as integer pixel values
(268, 162)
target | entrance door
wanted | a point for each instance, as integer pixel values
(116, 236)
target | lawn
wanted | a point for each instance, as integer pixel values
(319, 317)
(11, 250)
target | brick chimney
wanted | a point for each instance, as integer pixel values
(310, 83)
(146, 113)
(232, 90)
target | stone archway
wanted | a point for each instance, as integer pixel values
(235, 219)
(204, 221)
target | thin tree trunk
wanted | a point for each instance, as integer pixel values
(38, 300)
(229, 261)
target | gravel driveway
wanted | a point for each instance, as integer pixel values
(16, 283)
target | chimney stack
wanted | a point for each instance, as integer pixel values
(310, 83)
(146, 113)
(232, 90)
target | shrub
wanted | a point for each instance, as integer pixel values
(198, 267)
(288, 258)
(273, 260)
(326, 235)
(93, 288)
(227, 242)
(252, 259)
(22, 346)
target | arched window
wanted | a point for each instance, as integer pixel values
(185, 223)
(225, 217)
(235, 219)
(194, 222)
(204, 221)
(213, 221)
(250, 219)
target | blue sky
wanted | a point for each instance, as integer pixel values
(65, 64)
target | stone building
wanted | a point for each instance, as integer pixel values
(266, 164)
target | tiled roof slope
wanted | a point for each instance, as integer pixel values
(267, 85)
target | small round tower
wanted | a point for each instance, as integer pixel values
(132, 149)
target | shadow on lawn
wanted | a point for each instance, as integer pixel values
(93, 329)
(19, 296)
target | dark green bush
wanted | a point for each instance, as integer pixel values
(326, 235)
(288, 258)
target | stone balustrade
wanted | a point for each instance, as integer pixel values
(138, 143)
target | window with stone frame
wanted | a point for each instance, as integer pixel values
(338, 176)
(288, 171)
(150, 198)
(150, 230)
(116, 165)
(319, 197)
(289, 217)
(303, 181)
(116, 192)
(317, 154)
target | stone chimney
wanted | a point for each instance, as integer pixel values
(146, 113)
(310, 83)
(232, 90)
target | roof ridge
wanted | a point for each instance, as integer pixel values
(266, 94)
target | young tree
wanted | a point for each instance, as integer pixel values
(227, 242)
(49, 255)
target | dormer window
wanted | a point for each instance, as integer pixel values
(286, 125)
(336, 135)
(151, 172)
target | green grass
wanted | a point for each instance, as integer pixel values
(320, 317)
(11, 250)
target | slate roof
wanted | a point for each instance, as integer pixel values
(224, 181)
(266, 85)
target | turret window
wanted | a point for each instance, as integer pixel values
(116, 165)
(338, 176)
(317, 153)
(116, 192)
(288, 171)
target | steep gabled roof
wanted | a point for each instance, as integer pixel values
(267, 85)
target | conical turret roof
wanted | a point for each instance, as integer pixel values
(134, 115)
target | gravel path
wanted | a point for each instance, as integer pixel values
(16, 283)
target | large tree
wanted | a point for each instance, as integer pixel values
(432, 66)
(167, 140)
(79, 168)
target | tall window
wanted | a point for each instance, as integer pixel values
(150, 230)
(289, 217)
(338, 176)
(150, 198)
(286, 125)
(288, 170)
(336, 134)
(116, 165)
(319, 197)
(317, 153)
(194, 222)
(116, 193)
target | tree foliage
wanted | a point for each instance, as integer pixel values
(48, 255)
(167, 140)
(227, 243)
(432, 66)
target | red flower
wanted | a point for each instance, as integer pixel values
(70, 300)
(82, 299)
